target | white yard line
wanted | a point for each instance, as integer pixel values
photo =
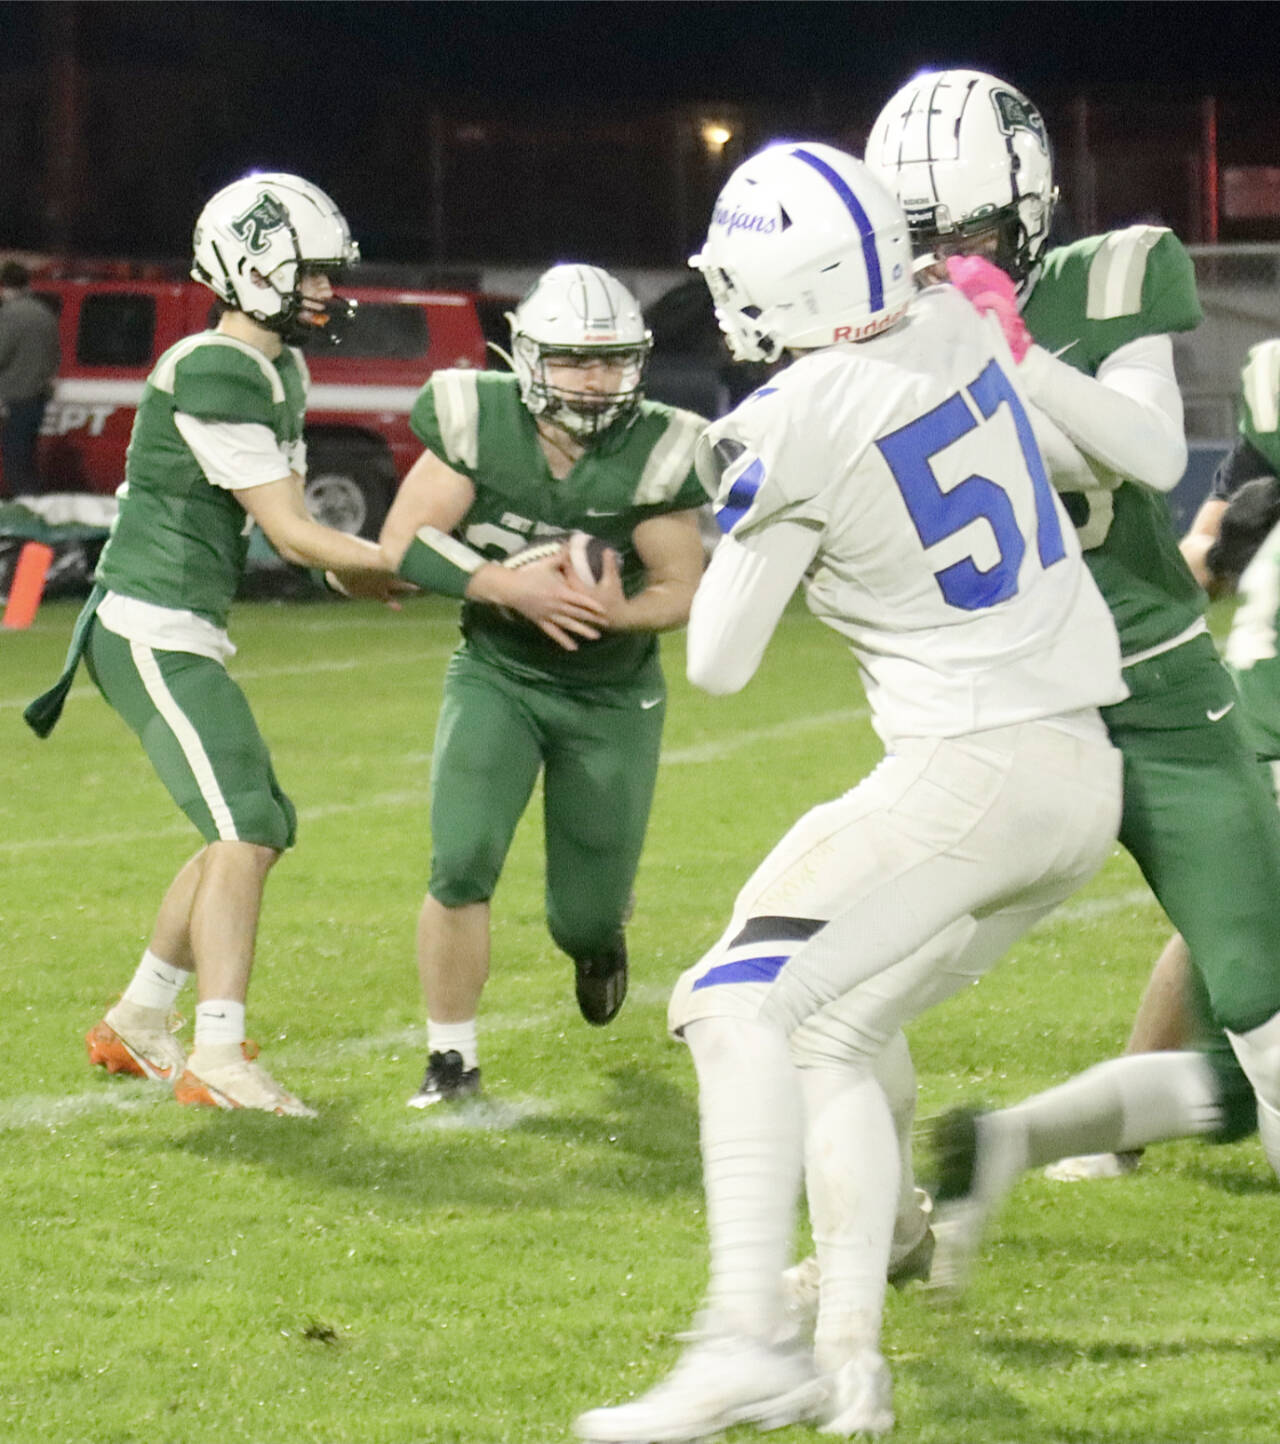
(1090, 908)
(721, 747)
(300, 669)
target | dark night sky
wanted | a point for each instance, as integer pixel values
(177, 98)
(763, 49)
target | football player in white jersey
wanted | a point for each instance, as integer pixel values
(891, 468)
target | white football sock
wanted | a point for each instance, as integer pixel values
(1259, 1053)
(219, 1021)
(851, 1172)
(750, 1116)
(454, 1038)
(1122, 1104)
(156, 984)
(896, 1074)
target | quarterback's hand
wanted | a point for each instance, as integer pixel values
(370, 586)
(543, 594)
(993, 294)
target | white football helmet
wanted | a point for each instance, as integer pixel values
(270, 228)
(968, 158)
(577, 313)
(805, 249)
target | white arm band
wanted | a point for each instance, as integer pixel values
(1128, 417)
(739, 601)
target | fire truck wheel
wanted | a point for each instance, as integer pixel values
(349, 486)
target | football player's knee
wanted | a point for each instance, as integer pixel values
(461, 877)
(264, 820)
(1236, 1098)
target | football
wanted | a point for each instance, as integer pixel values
(546, 546)
(586, 554)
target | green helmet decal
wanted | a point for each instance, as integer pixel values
(259, 221)
(1017, 113)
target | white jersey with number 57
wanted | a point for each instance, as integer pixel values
(900, 478)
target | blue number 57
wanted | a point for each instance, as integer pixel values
(938, 514)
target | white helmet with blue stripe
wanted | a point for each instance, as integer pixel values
(805, 249)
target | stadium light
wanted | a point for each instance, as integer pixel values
(715, 136)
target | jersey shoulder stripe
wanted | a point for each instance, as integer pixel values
(1100, 293)
(669, 462)
(457, 406)
(217, 353)
(1260, 388)
(1118, 271)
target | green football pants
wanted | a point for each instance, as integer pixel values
(1200, 820)
(197, 729)
(599, 751)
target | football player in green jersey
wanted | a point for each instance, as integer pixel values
(968, 156)
(1172, 1007)
(217, 445)
(555, 674)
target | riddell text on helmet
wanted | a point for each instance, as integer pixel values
(872, 328)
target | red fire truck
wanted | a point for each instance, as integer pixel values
(116, 320)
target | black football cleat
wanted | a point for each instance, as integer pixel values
(602, 984)
(446, 1081)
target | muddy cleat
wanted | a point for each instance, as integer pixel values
(860, 1398)
(1090, 1166)
(718, 1382)
(137, 1041)
(446, 1081)
(602, 984)
(210, 1081)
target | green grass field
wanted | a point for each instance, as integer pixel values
(479, 1276)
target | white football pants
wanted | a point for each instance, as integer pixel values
(871, 909)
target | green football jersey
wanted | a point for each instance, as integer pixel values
(1251, 649)
(476, 422)
(1090, 299)
(179, 540)
(1260, 401)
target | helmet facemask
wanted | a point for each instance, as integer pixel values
(1002, 236)
(583, 412)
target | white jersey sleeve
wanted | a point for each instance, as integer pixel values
(1128, 417)
(740, 600)
(238, 454)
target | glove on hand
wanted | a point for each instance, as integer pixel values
(992, 293)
